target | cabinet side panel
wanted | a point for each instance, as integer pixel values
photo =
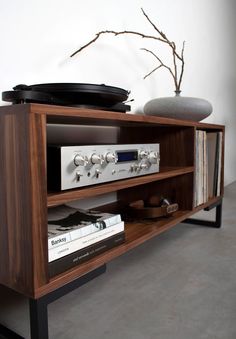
(16, 264)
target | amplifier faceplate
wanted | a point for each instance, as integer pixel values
(85, 165)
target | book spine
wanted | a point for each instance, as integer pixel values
(85, 254)
(77, 244)
(80, 232)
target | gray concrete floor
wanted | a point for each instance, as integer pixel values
(180, 285)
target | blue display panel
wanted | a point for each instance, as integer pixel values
(124, 156)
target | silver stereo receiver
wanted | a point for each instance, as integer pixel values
(78, 166)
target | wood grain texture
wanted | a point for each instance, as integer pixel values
(178, 189)
(176, 146)
(15, 209)
(38, 174)
(68, 115)
(23, 207)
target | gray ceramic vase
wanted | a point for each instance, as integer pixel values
(179, 107)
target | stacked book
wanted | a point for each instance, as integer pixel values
(75, 236)
(208, 164)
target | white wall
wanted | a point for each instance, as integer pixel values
(37, 38)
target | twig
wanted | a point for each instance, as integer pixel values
(116, 34)
(161, 65)
(182, 67)
(160, 37)
(164, 37)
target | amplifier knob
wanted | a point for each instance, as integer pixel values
(111, 157)
(153, 157)
(79, 160)
(143, 154)
(96, 159)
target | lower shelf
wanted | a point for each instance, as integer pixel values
(136, 233)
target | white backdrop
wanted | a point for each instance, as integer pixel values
(37, 38)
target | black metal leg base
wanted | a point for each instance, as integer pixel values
(38, 307)
(218, 217)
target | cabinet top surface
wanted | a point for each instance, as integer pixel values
(62, 114)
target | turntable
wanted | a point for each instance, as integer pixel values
(71, 94)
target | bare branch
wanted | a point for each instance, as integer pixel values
(154, 26)
(161, 65)
(116, 34)
(178, 58)
(171, 44)
(164, 37)
(175, 64)
(182, 67)
(155, 69)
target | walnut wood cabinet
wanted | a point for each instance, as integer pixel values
(25, 199)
